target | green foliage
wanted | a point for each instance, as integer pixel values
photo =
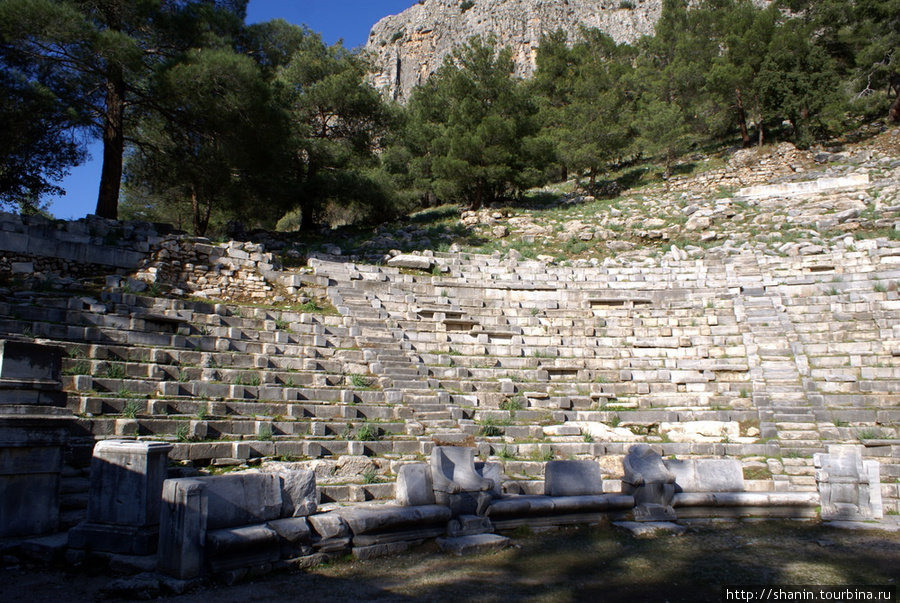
(265, 433)
(490, 428)
(182, 432)
(370, 476)
(506, 453)
(512, 404)
(367, 432)
(471, 131)
(101, 61)
(131, 409)
(541, 454)
(115, 371)
(361, 382)
(38, 145)
(81, 367)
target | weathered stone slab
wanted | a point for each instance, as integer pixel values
(477, 544)
(456, 482)
(572, 478)
(415, 262)
(365, 520)
(651, 529)
(797, 188)
(707, 475)
(244, 546)
(298, 490)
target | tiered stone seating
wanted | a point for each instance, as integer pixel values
(521, 346)
(221, 381)
(786, 355)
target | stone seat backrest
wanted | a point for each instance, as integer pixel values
(841, 464)
(572, 478)
(455, 465)
(242, 499)
(707, 475)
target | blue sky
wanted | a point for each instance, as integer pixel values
(350, 20)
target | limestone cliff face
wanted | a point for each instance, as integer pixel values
(409, 47)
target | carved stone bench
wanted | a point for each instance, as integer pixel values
(573, 494)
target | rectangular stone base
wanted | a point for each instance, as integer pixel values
(124, 540)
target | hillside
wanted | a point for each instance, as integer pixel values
(409, 47)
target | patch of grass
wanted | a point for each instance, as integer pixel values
(370, 476)
(265, 433)
(131, 409)
(505, 453)
(758, 473)
(251, 379)
(367, 432)
(490, 428)
(540, 454)
(82, 367)
(182, 432)
(361, 382)
(512, 404)
(115, 371)
(871, 433)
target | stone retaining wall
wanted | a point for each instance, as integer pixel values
(55, 252)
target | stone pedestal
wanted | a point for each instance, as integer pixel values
(124, 503)
(33, 432)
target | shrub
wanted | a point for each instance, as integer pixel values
(490, 428)
(367, 432)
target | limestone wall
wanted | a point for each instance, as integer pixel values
(56, 254)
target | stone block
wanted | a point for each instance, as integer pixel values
(707, 475)
(29, 361)
(327, 526)
(298, 491)
(650, 482)
(414, 485)
(182, 535)
(126, 482)
(572, 478)
(246, 546)
(125, 497)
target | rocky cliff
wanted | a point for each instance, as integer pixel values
(409, 47)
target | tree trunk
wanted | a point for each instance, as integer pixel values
(894, 111)
(479, 195)
(113, 127)
(742, 117)
(113, 146)
(307, 217)
(195, 211)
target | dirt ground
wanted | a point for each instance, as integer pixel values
(597, 564)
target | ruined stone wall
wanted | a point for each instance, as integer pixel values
(56, 254)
